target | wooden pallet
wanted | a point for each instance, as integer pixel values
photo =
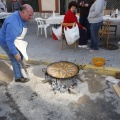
(117, 89)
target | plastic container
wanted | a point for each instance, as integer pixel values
(98, 61)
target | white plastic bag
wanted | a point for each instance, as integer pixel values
(72, 34)
(57, 32)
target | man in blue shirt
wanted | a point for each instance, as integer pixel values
(11, 29)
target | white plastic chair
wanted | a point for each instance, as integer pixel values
(41, 25)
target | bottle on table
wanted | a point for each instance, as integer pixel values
(110, 13)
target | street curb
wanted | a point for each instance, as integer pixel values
(30, 61)
(110, 71)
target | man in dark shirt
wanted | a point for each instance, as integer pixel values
(84, 6)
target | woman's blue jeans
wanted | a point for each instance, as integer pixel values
(16, 65)
(94, 35)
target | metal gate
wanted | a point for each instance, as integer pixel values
(113, 4)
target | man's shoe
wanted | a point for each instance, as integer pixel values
(83, 46)
(80, 46)
(22, 80)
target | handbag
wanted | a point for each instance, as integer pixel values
(57, 32)
(72, 34)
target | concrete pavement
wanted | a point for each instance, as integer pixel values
(43, 50)
(95, 99)
(35, 100)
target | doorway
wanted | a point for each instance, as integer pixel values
(62, 7)
(33, 3)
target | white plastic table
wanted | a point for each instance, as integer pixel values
(114, 21)
(57, 19)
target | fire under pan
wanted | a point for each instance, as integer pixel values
(62, 75)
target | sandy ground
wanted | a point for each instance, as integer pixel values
(94, 99)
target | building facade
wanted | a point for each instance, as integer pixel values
(59, 6)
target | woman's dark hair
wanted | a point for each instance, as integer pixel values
(72, 3)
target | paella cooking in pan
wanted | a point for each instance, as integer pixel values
(62, 70)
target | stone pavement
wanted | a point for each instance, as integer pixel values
(47, 50)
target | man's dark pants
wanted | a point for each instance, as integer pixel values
(84, 22)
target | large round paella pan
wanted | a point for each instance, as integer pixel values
(62, 70)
